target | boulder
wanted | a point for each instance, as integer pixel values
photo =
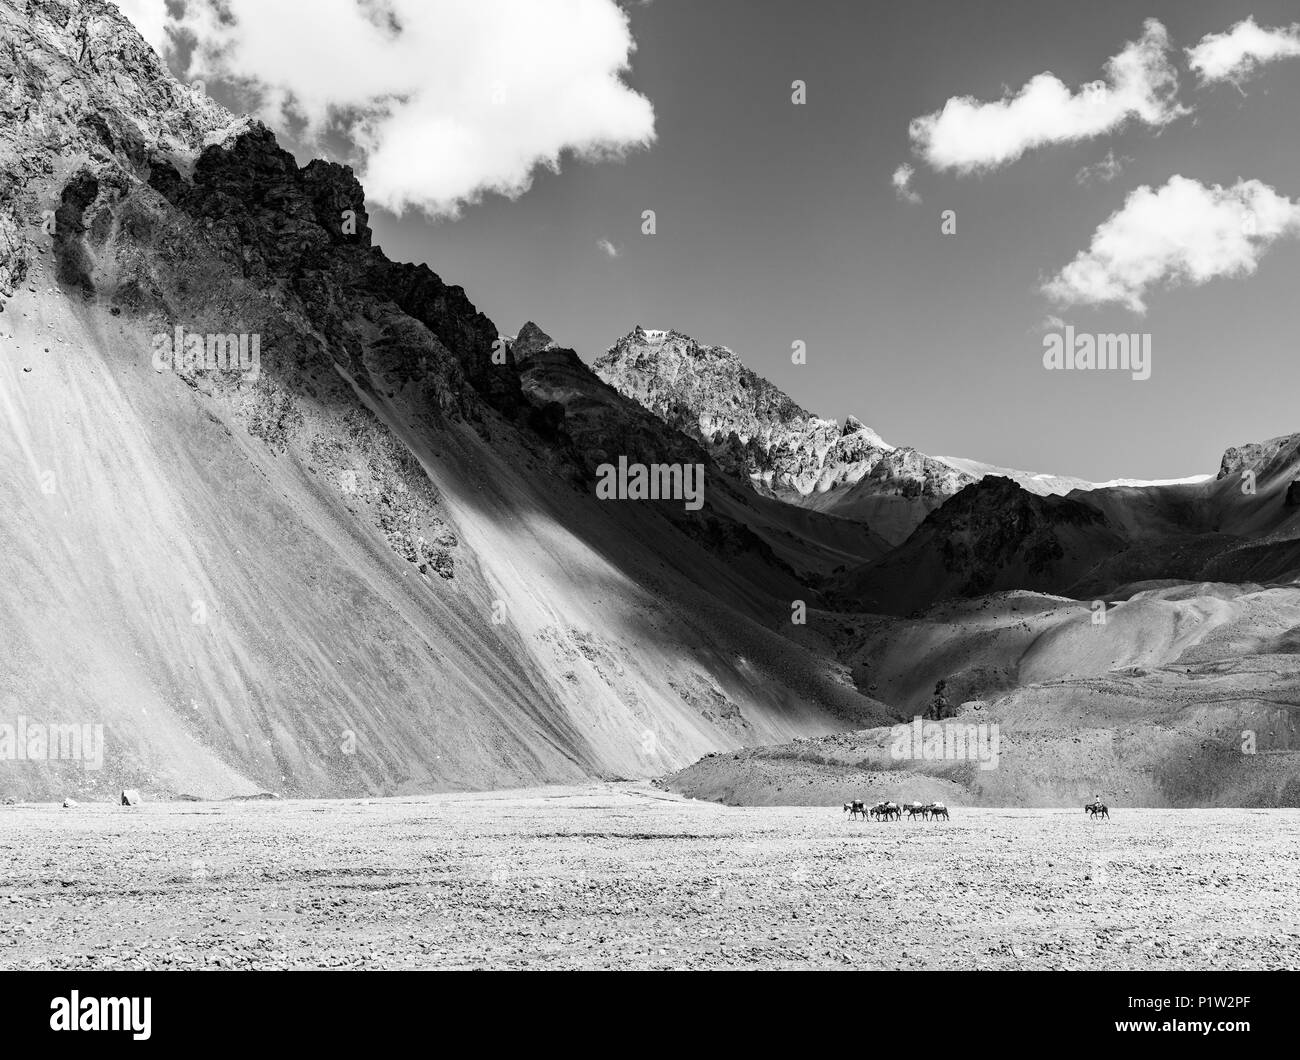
(130, 797)
(68, 804)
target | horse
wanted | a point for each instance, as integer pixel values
(937, 810)
(856, 807)
(915, 809)
(1097, 809)
(891, 811)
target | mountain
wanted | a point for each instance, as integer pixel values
(1100, 543)
(285, 515)
(991, 536)
(1185, 695)
(602, 423)
(369, 557)
(1059, 485)
(755, 431)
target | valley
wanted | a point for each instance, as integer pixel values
(368, 553)
(620, 876)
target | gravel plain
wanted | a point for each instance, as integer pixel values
(624, 876)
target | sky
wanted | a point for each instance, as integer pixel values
(514, 146)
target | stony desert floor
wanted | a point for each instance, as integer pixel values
(624, 876)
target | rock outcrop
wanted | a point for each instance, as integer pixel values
(1263, 458)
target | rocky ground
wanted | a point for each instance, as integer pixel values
(622, 876)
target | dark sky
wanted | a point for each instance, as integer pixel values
(778, 222)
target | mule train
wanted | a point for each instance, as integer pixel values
(892, 811)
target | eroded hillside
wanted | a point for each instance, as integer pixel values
(371, 561)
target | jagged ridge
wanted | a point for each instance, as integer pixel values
(753, 429)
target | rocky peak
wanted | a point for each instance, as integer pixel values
(530, 341)
(755, 430)
(706, 391)
(995, 500)
(1264, 458)
(76, 79)
(662, 364)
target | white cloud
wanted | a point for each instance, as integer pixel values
(1238, 53)
(1102, 172)
(969, 136)
(902, 181)
(608, 248)
(441, 101)
(150, 20)
(1181, 233)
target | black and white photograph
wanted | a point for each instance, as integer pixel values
(633, 486)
